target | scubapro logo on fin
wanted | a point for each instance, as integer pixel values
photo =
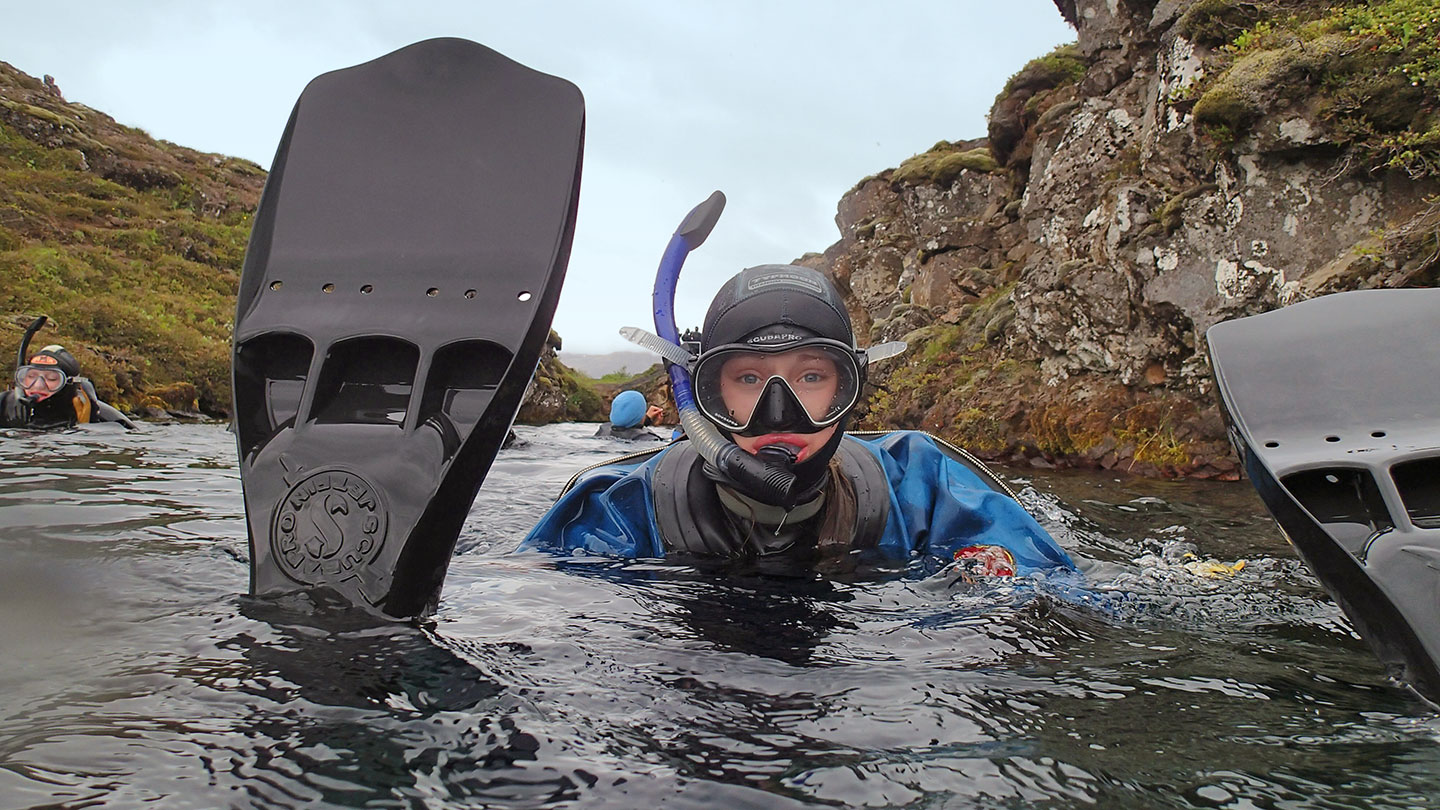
(328, 527)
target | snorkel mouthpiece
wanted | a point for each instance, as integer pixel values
(767, 476)
(779, 454)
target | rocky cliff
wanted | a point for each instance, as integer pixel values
(1181, 164)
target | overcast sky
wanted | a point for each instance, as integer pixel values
(783, 106)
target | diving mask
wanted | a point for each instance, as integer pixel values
(799, 387)
(40, 381)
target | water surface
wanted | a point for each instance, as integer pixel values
(137, 673)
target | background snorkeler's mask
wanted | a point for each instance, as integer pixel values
(39, 381)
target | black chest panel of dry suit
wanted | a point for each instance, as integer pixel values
(692, 520)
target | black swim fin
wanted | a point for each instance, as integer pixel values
(1334, 407)
(399, 285)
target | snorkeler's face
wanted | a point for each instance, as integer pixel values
(40, 382)
(811, 376)
(752, 390)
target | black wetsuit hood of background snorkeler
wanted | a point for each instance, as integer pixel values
(776, 305)
(59, 357)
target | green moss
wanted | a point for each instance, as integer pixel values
(242, 166)
(936, 341)
(1248, 89)
(52, 118)
(1368, 72)
(19, 152)
(943, 164)
(978, 430)
(1126, 165)
(1228, 107)
(1063, 66)
(1216, 22)
(1168, 216)
(582, 401)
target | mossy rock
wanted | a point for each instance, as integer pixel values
(1368, 73)
(182, 396)
(1216, 22)
(943, 164)
(1062, 66)
(1168, 216)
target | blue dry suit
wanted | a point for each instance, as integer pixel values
(934, 502)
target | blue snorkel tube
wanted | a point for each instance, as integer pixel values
(773, 480)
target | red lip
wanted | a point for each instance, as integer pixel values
(794, 440)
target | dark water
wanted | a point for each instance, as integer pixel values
(137, 674)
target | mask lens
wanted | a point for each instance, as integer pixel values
(732, 384)
(39, 378)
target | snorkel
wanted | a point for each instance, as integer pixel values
(771, 479)
(23, 354)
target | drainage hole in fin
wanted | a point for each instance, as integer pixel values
(1378, 434)
(433, 291)
(1332, 439)
(270, 371)
(524, 296)
(275, 285)
(328, 288)
(1272, 444)
(366, 289)
(469, 293)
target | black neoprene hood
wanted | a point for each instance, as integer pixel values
(64, 360)
(766, 298)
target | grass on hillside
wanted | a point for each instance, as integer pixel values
(139, 284)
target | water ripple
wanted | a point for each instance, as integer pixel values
(138, 674)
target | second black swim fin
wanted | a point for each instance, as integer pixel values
(1334, 407)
